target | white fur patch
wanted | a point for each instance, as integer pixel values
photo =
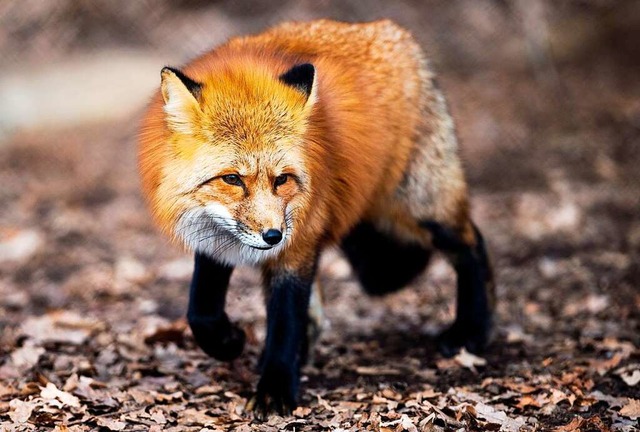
(212, 231)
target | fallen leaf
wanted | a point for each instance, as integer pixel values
(165, 334)
(610, 400)
(632, 378)
(373, 370)
(406, 424)
(114, 425)
(301, 411)
(630, 374)
(158, 416)
(51, 392)
(631, 409)
(526, 401)
(59, 326)
(468, 360)
(21, 410)
(193, 417)
(520, 387)
(26, 356)
(573, 426)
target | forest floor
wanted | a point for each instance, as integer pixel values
(92, 298)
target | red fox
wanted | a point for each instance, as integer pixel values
(272, 147)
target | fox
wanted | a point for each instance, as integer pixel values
(273, 147)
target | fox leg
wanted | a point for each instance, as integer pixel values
(210, 325)
(287, 296)
(316, 321)
(382, 262)
(474, 304)
(434, 194)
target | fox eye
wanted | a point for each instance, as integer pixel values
(232, 179)
(281, 179)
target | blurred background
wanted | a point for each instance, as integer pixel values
(546, 96)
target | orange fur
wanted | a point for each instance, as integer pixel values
(350, 143)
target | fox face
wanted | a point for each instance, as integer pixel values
(246, 213)
(237, 173)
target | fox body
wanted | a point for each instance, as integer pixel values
(271, 147)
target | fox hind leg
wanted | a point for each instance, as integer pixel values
(434, 193)
(474, 304)
(382, 262)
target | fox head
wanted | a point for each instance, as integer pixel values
(234, 169)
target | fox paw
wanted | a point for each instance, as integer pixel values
(220, 339)
(473, 337)
(263, 405)
(276, 394)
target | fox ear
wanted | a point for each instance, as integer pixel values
(180, 94)
(303, 78)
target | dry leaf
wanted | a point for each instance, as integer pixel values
(406, 424)
(301, 412)
(158, 416)
(468, 360)
(632, 378)
(558, 396)
(26, 356)
(59, 326)
(193, 417)
(526, 401)
(630, 374)
(114, 425)
(175, 332)
(20, 410)
(573, 426)
(611, 400)
(631, 409)
(520, 387)
(51, 392)
(373, 370)
(492, 415)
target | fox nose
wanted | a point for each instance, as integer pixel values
(272, 236)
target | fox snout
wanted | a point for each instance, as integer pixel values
(263, 236)
(272, 236)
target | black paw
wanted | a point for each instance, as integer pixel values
(474, 337)
(263, 405)
(220, 338)
(276, 394)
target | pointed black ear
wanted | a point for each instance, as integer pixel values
(301, 77)
(194, 87)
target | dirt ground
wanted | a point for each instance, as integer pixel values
(92, 298)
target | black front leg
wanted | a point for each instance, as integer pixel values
(285, 344)
(209, 323)
(474, 305)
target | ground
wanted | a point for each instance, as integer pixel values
(92, 297)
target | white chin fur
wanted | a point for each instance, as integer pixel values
(202, 230)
